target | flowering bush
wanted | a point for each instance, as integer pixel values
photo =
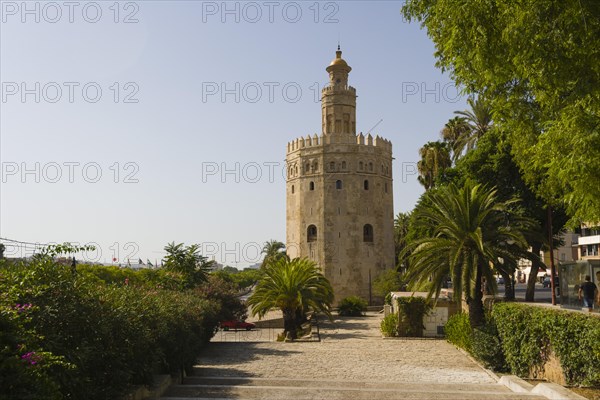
(26, 371)
(66, 335)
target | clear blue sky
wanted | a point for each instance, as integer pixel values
(164, 146)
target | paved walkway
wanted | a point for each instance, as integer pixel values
(351, 348)
(351, 362)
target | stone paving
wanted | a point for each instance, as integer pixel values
(351, 349)
(351, 362)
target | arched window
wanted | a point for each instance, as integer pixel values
(311, 186)
(360, 165)
(296, 170)
(366, 184)
(311, 233)
(368, 233)
(316, 166)
(338, 184)
(371, 167)
(332, 166)
(343, 164)
(292, 189)
(307, 168)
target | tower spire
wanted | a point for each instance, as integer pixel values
(338, 99)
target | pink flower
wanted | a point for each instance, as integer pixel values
(31, 358)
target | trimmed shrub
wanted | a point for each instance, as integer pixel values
(411, 311)
(483, 343)
(530, 334)
(458, 331)
(389, 325)
(352, 306)
(487, 347)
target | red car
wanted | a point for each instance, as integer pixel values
(235, 325)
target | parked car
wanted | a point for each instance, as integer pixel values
(235, 325)
(546, 282)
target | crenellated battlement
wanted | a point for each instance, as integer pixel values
(338, 138)
(328, 89)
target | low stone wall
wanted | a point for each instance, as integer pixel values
(437, 318)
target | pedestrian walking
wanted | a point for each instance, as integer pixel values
(588, 292)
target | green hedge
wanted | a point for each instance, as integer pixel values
(528, 335)
(65, 336)
(482, 343)
(411, 311)
(458, 331)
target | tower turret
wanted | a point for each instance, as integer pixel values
(338, 99)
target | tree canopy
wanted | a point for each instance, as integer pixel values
(537, 64)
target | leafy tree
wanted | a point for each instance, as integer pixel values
(435, 159)
(230, 270)
(388, 281)
(273, 251)
(492, 163)
(467, 235)
(537, 61)
(187, 261)
(293, 286)
(247, 278)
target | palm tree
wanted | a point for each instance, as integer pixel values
(435, 158)
(293, 286)
(466, 236)
(273, 251)
(401, 226)
(453, 133)
(479, 121)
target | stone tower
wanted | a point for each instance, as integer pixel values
(340, 207)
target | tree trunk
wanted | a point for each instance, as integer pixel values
(536, 264)
(289, 323)
(476, 313)
(509, 287)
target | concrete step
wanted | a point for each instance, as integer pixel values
(200, 388)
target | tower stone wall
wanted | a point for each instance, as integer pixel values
(340, 195)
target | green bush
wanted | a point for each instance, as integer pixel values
(483, 343)
(82, 338)
(411, 311)
(352, 306)
(530, 334)
(487, 348)
(458, 331)
(389, 325)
